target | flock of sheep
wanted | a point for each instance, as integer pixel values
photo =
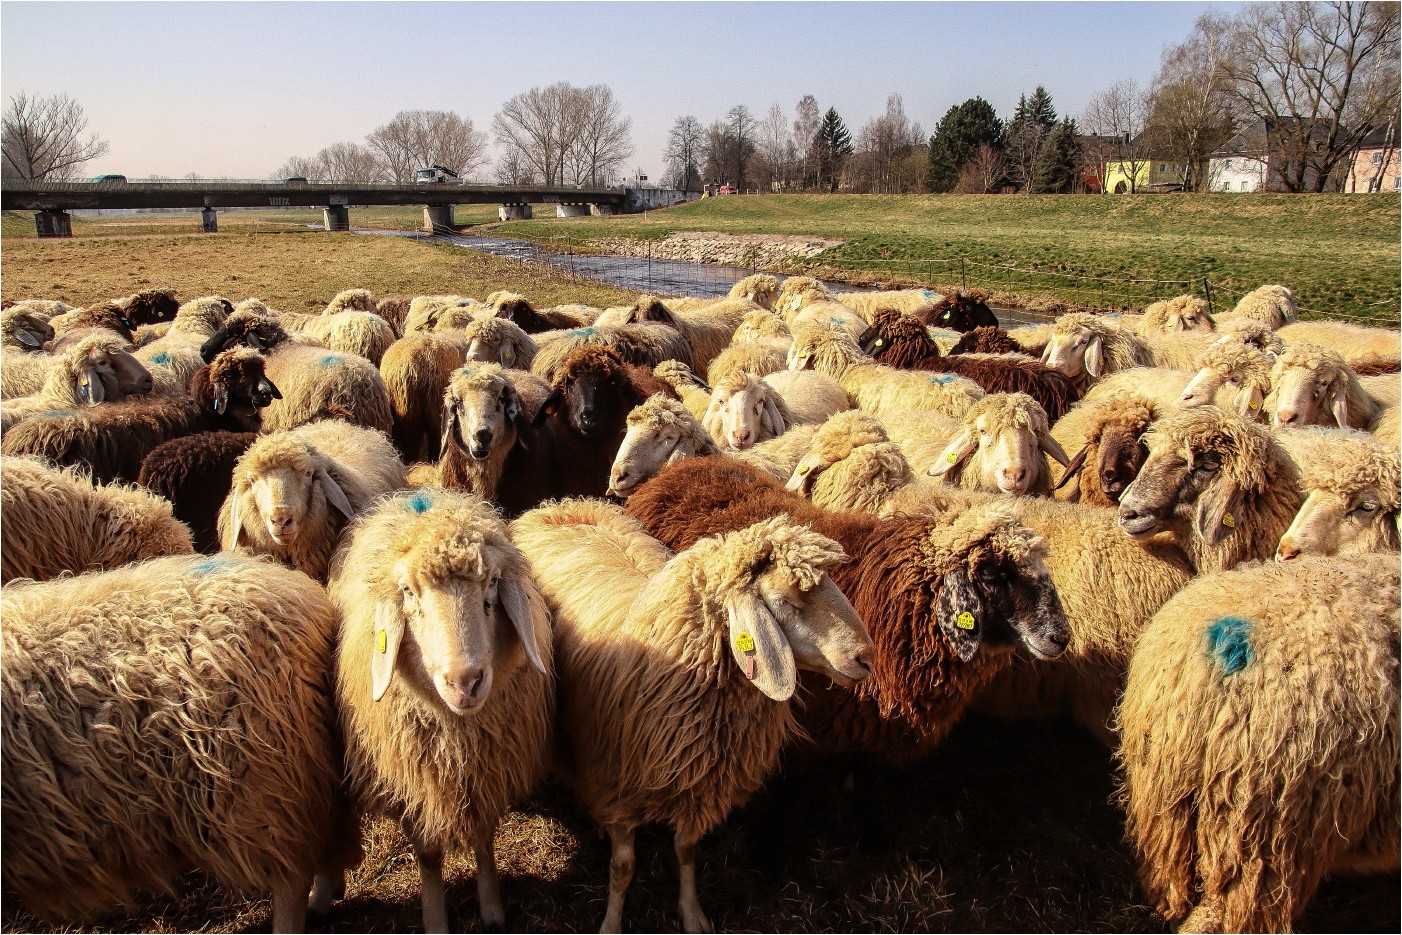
(265, 573)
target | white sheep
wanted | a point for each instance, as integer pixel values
(745, 410)
(444, 679)
(1350, 482)
(675, 680)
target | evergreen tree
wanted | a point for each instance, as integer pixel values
(959, 134)
(834, 145)
(1037, 109)
(1059, 161)
(1027, 132)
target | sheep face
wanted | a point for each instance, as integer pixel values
(112, 375)
(646, 448)
(1202, 390)
(594, 400)
(1001, 447)
(1305, 395)
(1190, 319)
(1021, 604)
(29, 331)
(481, 415)
(820, 625)
(486, 351)
(285, 495)
(1334, 522)
(1074, 354)
(741, 415)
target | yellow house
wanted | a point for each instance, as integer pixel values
(1146, 172)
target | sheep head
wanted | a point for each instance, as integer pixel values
(760, 288)
(986, 339)
(289, 485)
(498, 341)
(836, 440)
(1077, 345)
(963, 312)
(796, 292)
(659, 431)
(897, 340)
(23, 328)
(1239, 368)
(1181, 313)
(248, 329)
(828, 350)
(1312, 385)
(760, 324)
(593, 390)
(96, 369)
(1000, 447)
(456, 590)
(149, 307)
(235, 387)
(482, 412)
(744, 410)
(783, 610)
(1114, 449)
(1350, 482)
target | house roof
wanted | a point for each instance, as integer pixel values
(1380, 138)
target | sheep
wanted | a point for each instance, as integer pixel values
(989, 339)
(1350, 481)
(489, 445)
(1260, 740)
(1354, 343)
(1236, 372)
(415, 370)
(1312, 385)
(961, 311)
(901, 341)
(755, 358)
(420, 313)
(912, 578)
(1002, 447)
(498, 341)
(690, 389)
(745, 410)
(877, 388)
(315, 382)
(761, 288)
(394, 309)
(1181, 313)
(350, 300)
(58, 521)
(645, 345)
(80, 323)
(1109, 586)
(796, 292)
(1224, 486)
(1086, 347)
(194, 473)
(518, 310)
(149, 307)
(1107, 438)
(174, 358)
(168, 716)
(97, 368)
(21, 329)
(361, 333)
(760, 325)
(707, 329)
(449, 723)
(1272, 306)
(111, 440)
(675, 681)
(294, 491)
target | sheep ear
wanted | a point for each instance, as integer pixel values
(1053, 447)
(801, 481)
(516, 414)
(389, 633)
(256, 342)
(231, 535)
(960, 613)
(712, 422)
(271, 389)
(1073, 468)
(1094, 357)
(508, 356)
(1339, 404)
(773, 418)
(549, 407)
(759, 646)
(963, 445)
(90, 388)
(518, 608)
(27, 338)
(334, 494)
(1216, 515)
(1251, 402)
(1047, 351)
(221, 398)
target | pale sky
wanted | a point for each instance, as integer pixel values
(233, 89)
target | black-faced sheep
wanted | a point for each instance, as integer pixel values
(444, 680)
(901, 341)
(1350, 482)
(295, 491)
(988, 339)
(961, 311)
(1224, 487)
(1260, 740)
(1108, 440)
(675, 680)
(58, 521)
(315, 382)
(169, 716)
(111, 440)
(149, 307)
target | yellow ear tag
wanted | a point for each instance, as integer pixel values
(803, 469)
(1229, 521)
(745, 643)
(880, 342)
(381, 640)
(1168, 326)
(1254, 405)
(951, 457)
(965, 621)
(83, 380)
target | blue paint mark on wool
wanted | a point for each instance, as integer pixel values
(1229, 642)
(928, 293)
(211, 566)
(55, 413)
(581, 332)
(947, 378)
(161, 358)
(420, 501)
(330, 360)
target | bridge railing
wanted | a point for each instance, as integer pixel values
(79, 185)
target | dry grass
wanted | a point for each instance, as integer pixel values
(1008, 828)
(293, 270)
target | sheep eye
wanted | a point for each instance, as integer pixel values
(1366, 506)
(1210, 464)
(1232, 381)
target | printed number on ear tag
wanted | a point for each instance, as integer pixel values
(381, 640)
(1229, 521)
(965, 621)
(745, 643)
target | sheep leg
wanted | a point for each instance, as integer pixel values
(693, 919)
(326, 889)
(431, 892)
(620, 875)
(290, 905)
(489, 902)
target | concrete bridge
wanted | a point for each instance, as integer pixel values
(52, 201)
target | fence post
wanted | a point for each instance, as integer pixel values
(963, 279)
(1207, 291)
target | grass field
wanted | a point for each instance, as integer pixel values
(1339, 253)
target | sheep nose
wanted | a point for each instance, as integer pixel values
(862, 662)
(1287, 552)
(281, 518)
(740, 439)
(1110, 480)
(620, 478)
(471, 685)
(483, 437)
(1285, 416)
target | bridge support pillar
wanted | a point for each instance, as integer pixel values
(52, 222)
(521, 212)
(337, 217)
(209, 221)
(571, 211)
(601, 211)
(438, 219)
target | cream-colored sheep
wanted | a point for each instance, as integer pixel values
(1350, 481)
(1180, 313)
(97, 368)
(1354, 343)
(1272, 306)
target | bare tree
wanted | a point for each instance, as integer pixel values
(773, 170)
(741, 124)
(1320, 75)
(300, 167)
(564, 134)
(1121, 112)
(512, 169)
(417, 138)
(43, 138)
(1191, 112)
(599, 140)
(349, 162)
(716, 146)
(807, 119)
(683, 154)
(982, 173)
(882, 148)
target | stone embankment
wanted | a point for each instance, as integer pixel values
(757, 251)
